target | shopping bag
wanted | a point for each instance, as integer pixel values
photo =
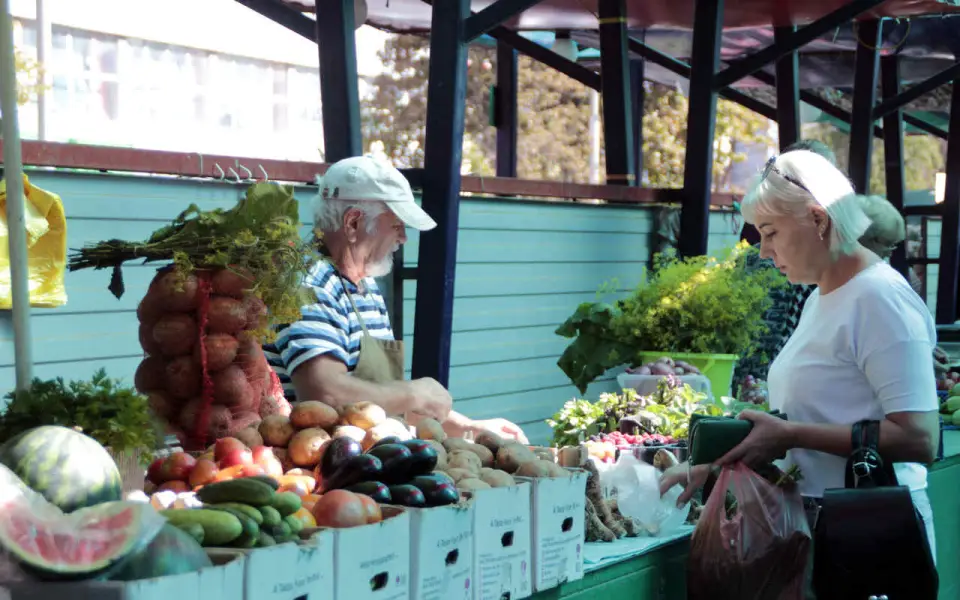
(752, 541)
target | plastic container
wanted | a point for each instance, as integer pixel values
(718, 368)
(647, 384)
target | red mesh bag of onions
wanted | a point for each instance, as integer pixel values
(204, 372)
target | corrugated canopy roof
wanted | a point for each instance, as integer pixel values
(414, 15)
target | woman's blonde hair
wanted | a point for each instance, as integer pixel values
(887, 227)
(793, 182)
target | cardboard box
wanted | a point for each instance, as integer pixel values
(443, 551)
(291, 571)
(223, 581)
(558, 528)
(502, 532)
(373, 562)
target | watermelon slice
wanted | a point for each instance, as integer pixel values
(79, 545)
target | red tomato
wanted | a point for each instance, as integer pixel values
(340, 508)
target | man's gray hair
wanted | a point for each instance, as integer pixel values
(328, 212)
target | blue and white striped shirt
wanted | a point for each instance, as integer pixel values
(329, 327)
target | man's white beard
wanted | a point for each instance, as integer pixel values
(381, 267)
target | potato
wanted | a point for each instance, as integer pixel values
(151, 375)
(364, 415)
(441, 454)
(184, 378)
(573, 456)
(541, 468)
(276, 430)
(453, 444)
(471, 485)
(221, 349)
(354, 433)
(149, 345)
(225, 315)
(534, 468)
(231, 388)
(496, 478)
(174, 292)
(163, 405)
(430, 429)
(231, 281)
(175, 334)
(388, 428)
(274, 404)
(256, 312)
(491, 440)
(511, 456)
(248, 435)
(306, 446)
(544, 453)
(483, 453)
(458, 474)
(220, 423)
(463, 459)
(312, 414)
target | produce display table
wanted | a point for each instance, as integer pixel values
(660, 573)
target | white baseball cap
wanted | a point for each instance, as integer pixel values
(364, 178)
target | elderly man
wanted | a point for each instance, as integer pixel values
(343, 350)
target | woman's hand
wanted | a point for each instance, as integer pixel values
(691, 478)
(503, 428)
(768, 439)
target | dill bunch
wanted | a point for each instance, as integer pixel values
(260, 235)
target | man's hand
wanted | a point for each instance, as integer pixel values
(503, 428)
(430, 398)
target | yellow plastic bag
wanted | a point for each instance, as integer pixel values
(46, 247)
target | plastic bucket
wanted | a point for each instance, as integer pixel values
(718, 368)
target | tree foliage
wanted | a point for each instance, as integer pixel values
(29, 76)
(554, 120)
(924, 157)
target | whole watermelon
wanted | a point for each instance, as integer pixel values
(172, 552)
(70, 469)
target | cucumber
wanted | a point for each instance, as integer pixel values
(273, 483)
(281, 533)
(271, 517)
(251, 531)
(246, 509)
(266, 540)
(294, 523)
(286, 503)
(244, 491)
(219, 527)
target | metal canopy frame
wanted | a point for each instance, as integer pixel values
(454, 26)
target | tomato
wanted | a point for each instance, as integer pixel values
(203, 473)
(371, 508)
(340, 508)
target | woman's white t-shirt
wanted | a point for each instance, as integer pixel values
(862, 351)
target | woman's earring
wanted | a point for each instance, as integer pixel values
(821, 232)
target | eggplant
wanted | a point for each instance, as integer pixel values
(408, 495)
(376, 490)
(438, 490)
(359, 468)
(387, 440)
(339, 451)
(424, 459)
(395, 460)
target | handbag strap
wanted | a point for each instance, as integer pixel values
(865, 467)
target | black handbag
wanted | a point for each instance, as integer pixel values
(870, 541)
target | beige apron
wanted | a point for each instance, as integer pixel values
(380, 361)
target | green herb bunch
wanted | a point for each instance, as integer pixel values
(115, 415)
(701, 304)
(259, 236)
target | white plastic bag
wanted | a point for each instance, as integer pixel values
(637, 489)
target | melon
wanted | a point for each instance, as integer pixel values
(172, 552)
(70, 469)
(82, 545)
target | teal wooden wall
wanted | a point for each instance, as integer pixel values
(522, 269)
